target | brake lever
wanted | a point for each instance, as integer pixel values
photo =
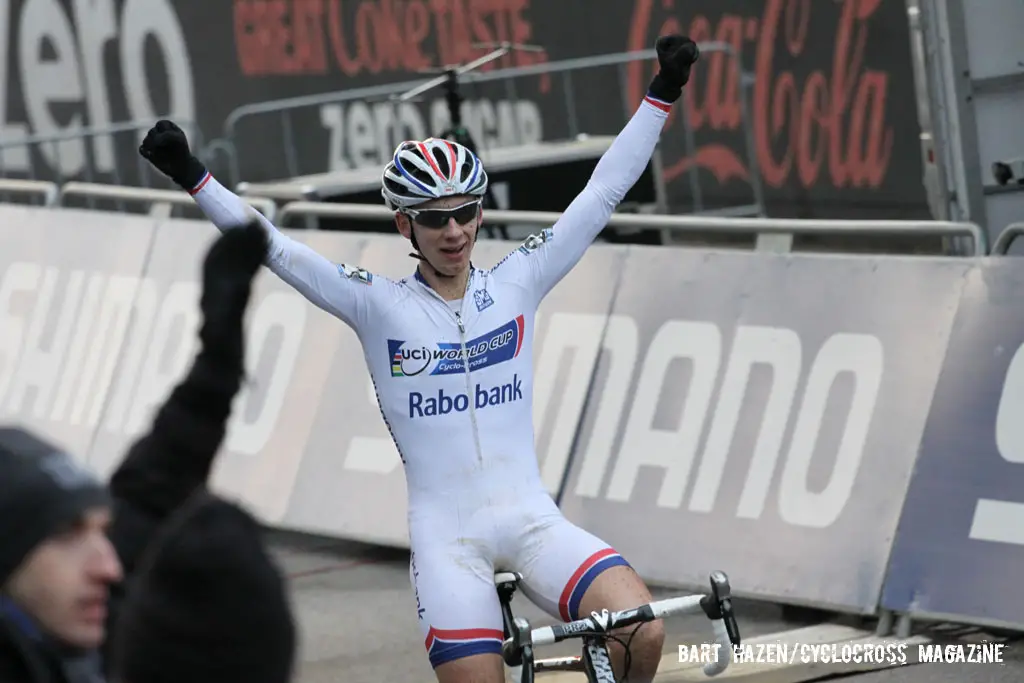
(514, 649)
(721, 593)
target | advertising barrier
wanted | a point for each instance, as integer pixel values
(758, 412)
(960, 545)
(67, 281)
(831, 107)
(306, 447)
(836, 431)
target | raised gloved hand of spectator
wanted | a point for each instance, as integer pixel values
(676, 54)
(228, 272)
(166, 147)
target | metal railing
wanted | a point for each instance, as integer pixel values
(675, 224)
(48, 191)
(54, 141)
(1001, 246)
(160, 200)
(284, 108)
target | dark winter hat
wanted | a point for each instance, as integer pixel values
(208, 604)
(42, 490)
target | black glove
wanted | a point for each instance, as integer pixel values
(676, 54)
(228, 272)
(166, 147)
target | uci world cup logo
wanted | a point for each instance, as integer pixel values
(409, 361)
(499, 345)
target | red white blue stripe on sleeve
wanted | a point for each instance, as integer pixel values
(202, 183)
(445, 645)
(659, 104)
(569, 602)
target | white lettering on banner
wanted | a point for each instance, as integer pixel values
(20, 277)
(155, 20)
(362, 135)
(53, 81)
(501, 124)
(779, 348)
(108, 333)
(282, 313)
(74, 358)
(72, 71)
(167, 356)
(73, 375)
(621, 342)
(11, 158)
(38, 368)
(1002, 521)
(862, 356)
(674, 450)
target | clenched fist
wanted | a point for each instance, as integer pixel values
(676, 54)
(166, 147)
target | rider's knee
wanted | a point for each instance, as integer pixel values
(648, 642)
(645, 649)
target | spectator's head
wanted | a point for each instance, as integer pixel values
(56, 562)
(208, 604)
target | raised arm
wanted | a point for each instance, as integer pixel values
(175, 457)
(546, 258)
(338, 289)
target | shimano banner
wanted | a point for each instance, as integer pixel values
(960, 545)
(100, 314)
(835, 431)
(761, 413)
(289, 347)
(68, 280)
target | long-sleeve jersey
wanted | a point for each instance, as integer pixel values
(463, 428)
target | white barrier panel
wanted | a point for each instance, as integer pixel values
(68, 280)
(306, 447)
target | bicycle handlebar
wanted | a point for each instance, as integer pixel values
(717, 606)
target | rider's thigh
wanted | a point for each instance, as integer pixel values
(569, 572)
(459, 613)
(560, 561)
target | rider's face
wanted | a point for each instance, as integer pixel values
(447, 246)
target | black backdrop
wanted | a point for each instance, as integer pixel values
(833, 113)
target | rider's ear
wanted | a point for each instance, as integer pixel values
(402, 223)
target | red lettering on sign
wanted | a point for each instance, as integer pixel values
(375, 37)
(280, 36)
(834, 120)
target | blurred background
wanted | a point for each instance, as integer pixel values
(812, 109)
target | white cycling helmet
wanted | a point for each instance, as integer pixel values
(431, 169)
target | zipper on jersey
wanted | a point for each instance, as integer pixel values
(465, 361)
(469, 384)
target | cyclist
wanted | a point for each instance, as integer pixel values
(463, 428)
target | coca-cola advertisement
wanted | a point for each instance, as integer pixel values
(827, 121)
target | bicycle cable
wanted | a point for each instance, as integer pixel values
(627, 659)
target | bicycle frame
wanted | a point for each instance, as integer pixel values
(595, 661)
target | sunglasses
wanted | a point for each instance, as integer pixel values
(438, 218)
